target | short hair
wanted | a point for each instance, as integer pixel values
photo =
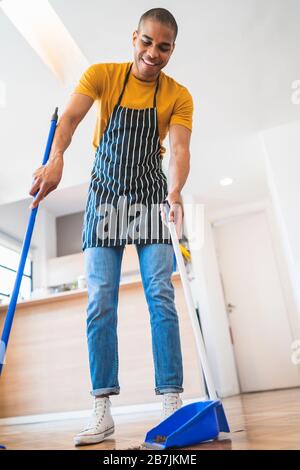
(163, 16)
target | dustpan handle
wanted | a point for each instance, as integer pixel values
(190, 305)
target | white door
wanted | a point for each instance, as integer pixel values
(255, 302)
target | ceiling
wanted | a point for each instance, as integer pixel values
(238, 58)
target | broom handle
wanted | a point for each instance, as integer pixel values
(191, 308)
(25, 248)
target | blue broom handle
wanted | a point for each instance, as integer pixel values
(25, 248)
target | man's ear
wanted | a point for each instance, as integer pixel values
(134, 37)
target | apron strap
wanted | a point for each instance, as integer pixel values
(156, 89)
(125, 83)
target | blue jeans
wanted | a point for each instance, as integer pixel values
(103, 268)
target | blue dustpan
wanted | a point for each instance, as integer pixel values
(198, 422)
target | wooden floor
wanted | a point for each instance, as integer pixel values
(268, 420)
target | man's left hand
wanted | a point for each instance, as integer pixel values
(175, 213)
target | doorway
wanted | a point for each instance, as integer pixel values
(257, 313)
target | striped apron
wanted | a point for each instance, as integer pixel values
(127, 181)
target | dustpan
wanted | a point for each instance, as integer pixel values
(200, 421)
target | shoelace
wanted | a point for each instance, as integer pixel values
(98, 414)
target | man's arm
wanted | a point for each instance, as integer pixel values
(75, 111)
(47, 177)
(179, 165)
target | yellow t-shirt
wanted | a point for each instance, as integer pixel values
(104, 82)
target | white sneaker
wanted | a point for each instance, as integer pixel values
(101, 424)
(171, 403)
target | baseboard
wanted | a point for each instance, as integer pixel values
(120, 413)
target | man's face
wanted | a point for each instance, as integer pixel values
(153, 47)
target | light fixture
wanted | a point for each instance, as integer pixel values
(42, 28)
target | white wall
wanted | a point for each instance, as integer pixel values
(13, 222)
(282, 157)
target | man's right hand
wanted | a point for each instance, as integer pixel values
(46, 179)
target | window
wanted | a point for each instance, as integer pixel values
(9, 262)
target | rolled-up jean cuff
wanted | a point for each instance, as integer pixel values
(162, 390)
(105, 391)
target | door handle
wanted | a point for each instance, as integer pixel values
(230, 307)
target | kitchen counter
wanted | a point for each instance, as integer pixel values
(74, 293)
(46, 368)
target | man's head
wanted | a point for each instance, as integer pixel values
(154, 42)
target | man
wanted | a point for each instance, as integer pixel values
(139, 105)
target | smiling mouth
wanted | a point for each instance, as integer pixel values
(149, 63)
